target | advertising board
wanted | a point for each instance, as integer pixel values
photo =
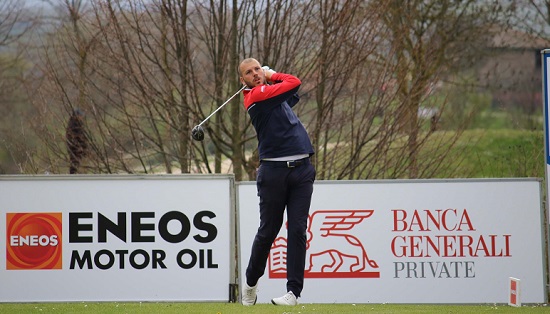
(411, 241)
(116, 238)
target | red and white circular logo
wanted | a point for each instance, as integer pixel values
(33, 241)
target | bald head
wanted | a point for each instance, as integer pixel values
(246, 62)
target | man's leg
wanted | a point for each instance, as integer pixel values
(299, 201)
(272, 191)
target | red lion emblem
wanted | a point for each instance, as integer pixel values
(332, 249)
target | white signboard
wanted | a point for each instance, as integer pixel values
(414, 241)
(115, 238)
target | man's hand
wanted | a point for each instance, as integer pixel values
(268, 72)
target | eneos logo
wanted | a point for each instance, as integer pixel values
(33, 241)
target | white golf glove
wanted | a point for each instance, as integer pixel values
(266, 68)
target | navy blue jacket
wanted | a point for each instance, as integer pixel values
(280, 133)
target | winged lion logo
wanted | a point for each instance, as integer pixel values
(333, 251)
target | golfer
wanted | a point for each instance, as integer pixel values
(285, 176)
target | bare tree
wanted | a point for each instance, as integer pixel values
(532, 16)
(430, 40)
(64, 71)
(345, 41)
(132, 65)
(212, 28)
(16, 26)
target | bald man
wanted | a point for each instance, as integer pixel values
(285, 176)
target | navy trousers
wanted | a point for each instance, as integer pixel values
(280, 187)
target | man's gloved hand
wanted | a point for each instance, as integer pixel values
(268, 72)
(266, 68)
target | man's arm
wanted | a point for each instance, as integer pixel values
(285, 86)
(293, 100)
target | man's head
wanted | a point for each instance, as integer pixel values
(251, 73)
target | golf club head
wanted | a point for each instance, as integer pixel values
(197, 133)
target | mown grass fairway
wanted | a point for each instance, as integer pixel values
(230, 308)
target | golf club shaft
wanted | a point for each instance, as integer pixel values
(220, 107)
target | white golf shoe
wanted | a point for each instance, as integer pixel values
(287, 299)
(249, 295)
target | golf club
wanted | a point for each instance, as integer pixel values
(197, 133)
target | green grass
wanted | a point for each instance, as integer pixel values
(499, 154)
(228, 308)
(477, 153)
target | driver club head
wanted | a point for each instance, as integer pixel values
(197, 133)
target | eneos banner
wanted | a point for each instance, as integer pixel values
(116, 238)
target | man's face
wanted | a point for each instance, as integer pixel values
(252, 74)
